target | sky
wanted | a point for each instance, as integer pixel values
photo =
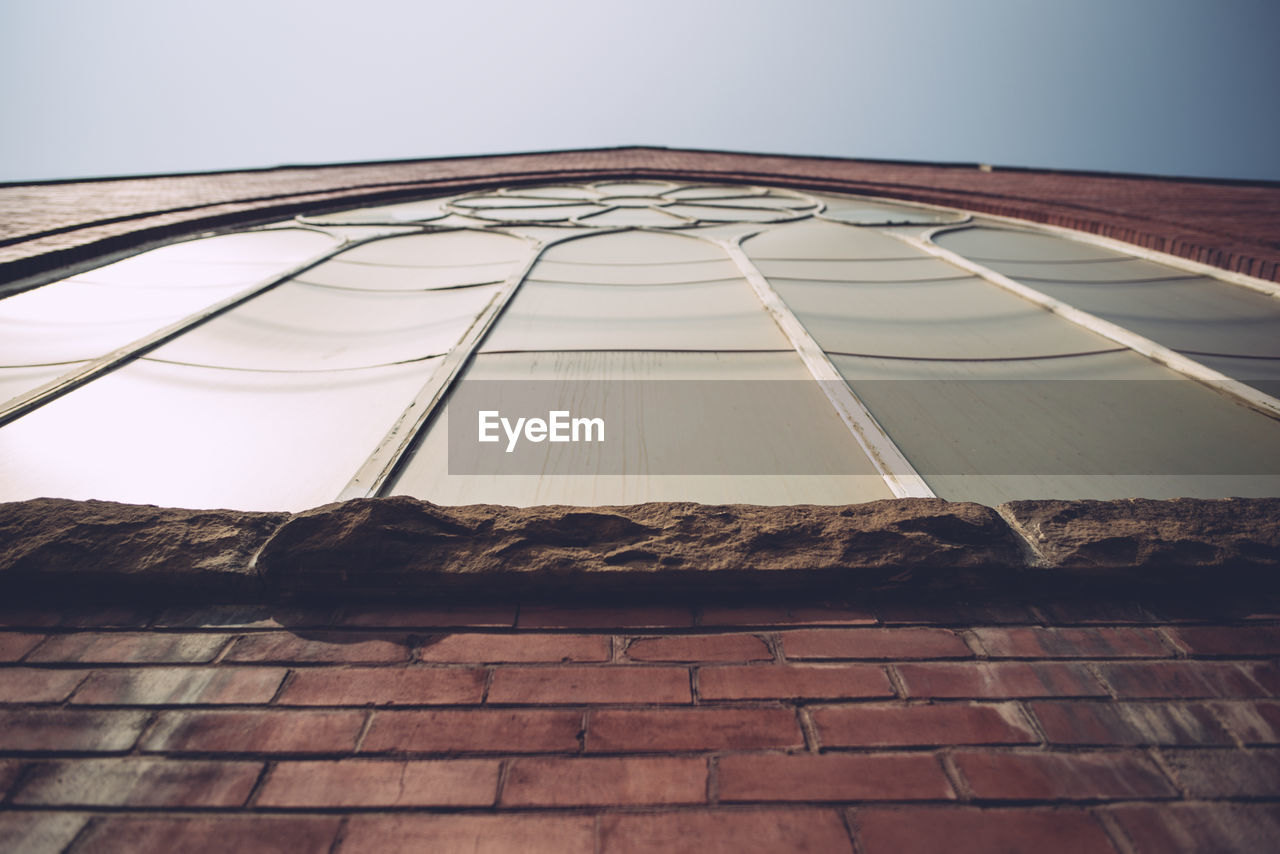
(1171, 87)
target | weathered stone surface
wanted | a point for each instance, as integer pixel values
(1142, 535)
(72, 546)
(379, 546)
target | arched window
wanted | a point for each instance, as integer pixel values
(628, 341)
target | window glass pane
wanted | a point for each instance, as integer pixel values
(1112, 425)
(96, 312)
(633, 247)
(298, 327)
(812, 239)
(955, 319)
(68, 320)
(636, 274)
(859, 212)
(442, 249)
(983, 243)
(804, 435)
(900, 270)
(724, 315)
(178, 436)
(634, 216)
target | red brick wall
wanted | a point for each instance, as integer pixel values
(1225, 223)
(884, 727)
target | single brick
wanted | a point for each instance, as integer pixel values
(497, 616)
(9, 769)
(482, 834)
(788, 681)
(180, 685)
(969, 830)
(1009, 776)
(699, 648)
(384, 686)
(778, 615)
(999, 680)
(627, 781)
(473, 731)
(590, 685)
(14, 645)
(1178, 679)
(25, 618)
(759, 831)
(648, 731)
(1226, 773)
(1220, 828)
(874, 643)
(160, 834)
(103, 618)
(332, 647)
(135, 647)
(1254, 723)
(38, 685)
(832, 615)
(1072, 643)
(381, 783)
(139, 783)
(255, 732)
(241, 617)
(1266, 674)
(1234, 641)
(541, 617)
(1097, 611)
(38, 832)
(68, 730)
(1129, 723)
(479, 649)
(953, 613)
(882, 725)
(832, 777)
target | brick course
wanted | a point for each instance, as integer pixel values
(1098, 734)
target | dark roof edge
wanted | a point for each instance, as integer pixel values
(282, 167)
(401, 548)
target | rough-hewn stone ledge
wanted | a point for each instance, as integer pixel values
(404, 548)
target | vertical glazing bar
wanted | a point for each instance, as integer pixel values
(1158, 353)
(898, 473)
(378, 469)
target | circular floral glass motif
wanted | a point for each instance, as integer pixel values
(652, 204)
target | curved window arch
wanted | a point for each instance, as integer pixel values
(736, 343)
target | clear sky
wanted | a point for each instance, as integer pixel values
(117, 87)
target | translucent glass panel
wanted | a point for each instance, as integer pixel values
(815, 240)
(1194, 314)
(96, 312)
(706, 316)
(196, 437)
(1111, 425)
(302, 327)
(946, 319)
(602, 306)
(863, 212)
(656, 410)
(448, 259)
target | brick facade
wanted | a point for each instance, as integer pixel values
(878, 725)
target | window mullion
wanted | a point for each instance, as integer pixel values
(898, 473)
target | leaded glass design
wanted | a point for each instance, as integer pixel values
(736, 343)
